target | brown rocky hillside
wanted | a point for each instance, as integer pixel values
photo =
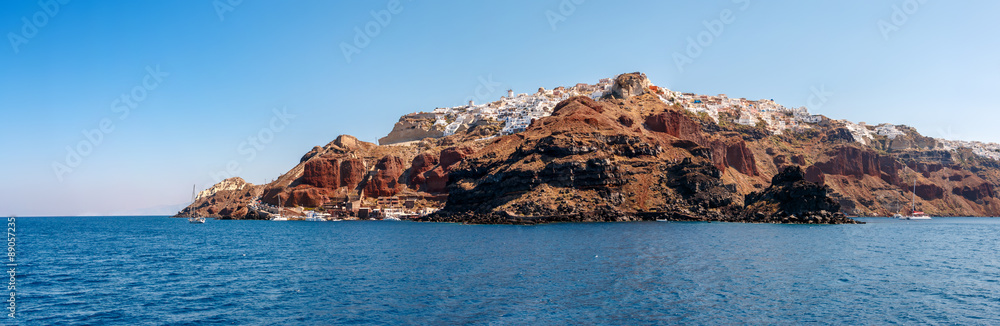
(631, 156)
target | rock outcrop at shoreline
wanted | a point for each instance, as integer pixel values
(793, 199)
(629, 152)
(224, 199)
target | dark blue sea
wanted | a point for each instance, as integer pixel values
(157, 270)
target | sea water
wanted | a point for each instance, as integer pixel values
(158, 270)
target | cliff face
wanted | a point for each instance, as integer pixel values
(871, 182)
(589, 161)
(631, 156)
(630, 85)
(413, 127)
(344, 167)
(227, 198)
(385, 181)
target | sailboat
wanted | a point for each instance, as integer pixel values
(896, 207)
(194, 218)
(279, 217)
(915, 214)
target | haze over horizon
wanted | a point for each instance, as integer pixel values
(171, 94)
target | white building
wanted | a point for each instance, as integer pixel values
(747, 119)
(888, 130)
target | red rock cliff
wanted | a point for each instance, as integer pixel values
(385, 181)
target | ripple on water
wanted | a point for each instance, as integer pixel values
(131, 271)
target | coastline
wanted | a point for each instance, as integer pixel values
(502, 219)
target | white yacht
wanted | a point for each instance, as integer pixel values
(918, 215)
(316, 217)
(392, 214)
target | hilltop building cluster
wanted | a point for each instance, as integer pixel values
(775, 117)
(515, 112)
(987, 150)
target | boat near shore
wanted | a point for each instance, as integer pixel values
(194, 218)
(317, 217)
(918, 215)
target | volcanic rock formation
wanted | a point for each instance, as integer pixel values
(637, 153)
(793, 199)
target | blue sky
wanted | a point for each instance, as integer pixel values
(221, 77)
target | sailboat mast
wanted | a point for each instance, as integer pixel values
(913, 203)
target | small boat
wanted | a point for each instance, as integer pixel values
(316, 217)
(279, 217)
(194, 218)
(917, 215)
(392, 214)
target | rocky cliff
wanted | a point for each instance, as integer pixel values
(584, 163)
(224, 199)
(634, 155)
(413, 127)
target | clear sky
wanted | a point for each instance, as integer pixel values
(201, 77)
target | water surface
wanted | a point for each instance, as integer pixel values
(157, 270)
